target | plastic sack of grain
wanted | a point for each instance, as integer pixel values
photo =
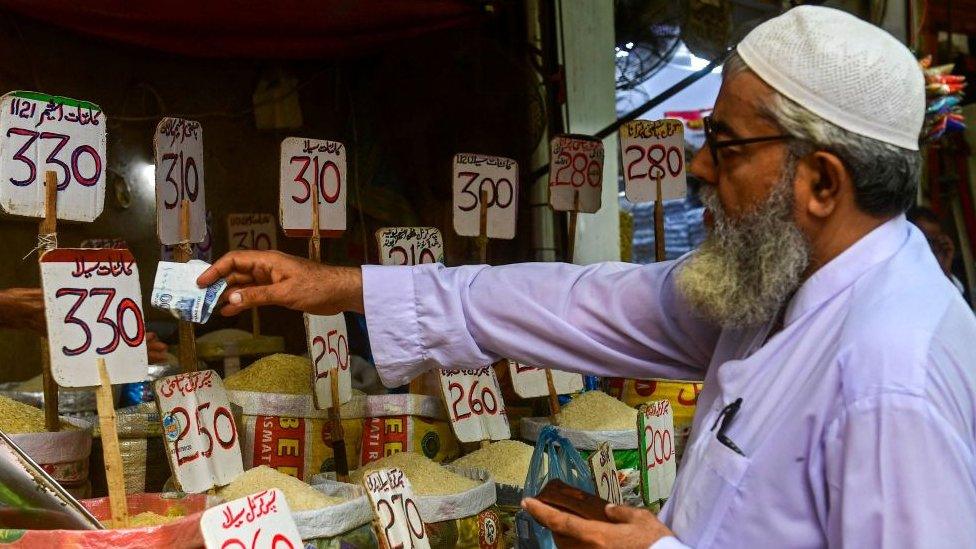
(404, 423)
(683, 396)
(63, 454)
(346, 524)
(180, 533)
(145, 462)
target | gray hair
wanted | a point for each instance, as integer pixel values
(885, 177)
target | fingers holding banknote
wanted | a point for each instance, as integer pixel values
(259, 278)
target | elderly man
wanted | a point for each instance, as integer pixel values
(836, 359)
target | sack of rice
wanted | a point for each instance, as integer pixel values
(155, 520)
(230, 344)
(683, 396)
(63, 454)
(281, 427)
(72, 402)
(594, 417)
(145, 462)
(456, 504)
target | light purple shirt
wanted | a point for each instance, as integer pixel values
(858, 419)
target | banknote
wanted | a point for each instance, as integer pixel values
(175, 290)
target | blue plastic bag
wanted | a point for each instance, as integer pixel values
(564, 463)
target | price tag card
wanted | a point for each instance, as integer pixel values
(498, 177)
(474, 404)
(575, 170)
(117, 243)
(259, 521)
(199, 430)
(655, 439)
(254, 231)
(530, 382)
(328, 345)
(410, 245)
(398, 522)
(308, 162)
(652, 150)
(178, 147)
(40, 132)
(202, 250)
(92, 304)
(605, 474)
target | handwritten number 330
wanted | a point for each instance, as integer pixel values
(117, 325)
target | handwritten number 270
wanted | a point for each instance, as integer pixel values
(117, 325)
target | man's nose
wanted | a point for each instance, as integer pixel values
(703, 167)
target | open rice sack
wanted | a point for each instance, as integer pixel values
(156, 520)
(683, 396)
(145, 464)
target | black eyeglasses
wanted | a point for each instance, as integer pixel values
(715, 144)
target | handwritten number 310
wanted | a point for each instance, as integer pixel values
(117, 325)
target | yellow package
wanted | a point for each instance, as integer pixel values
(683, 396)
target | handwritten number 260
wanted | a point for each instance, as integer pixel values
(117, 325)
(277, 541)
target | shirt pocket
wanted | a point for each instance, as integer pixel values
(709, 493)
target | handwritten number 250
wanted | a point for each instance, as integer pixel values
(117, 326)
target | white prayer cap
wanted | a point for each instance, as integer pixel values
(843, 69)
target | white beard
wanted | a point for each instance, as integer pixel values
(746, 269)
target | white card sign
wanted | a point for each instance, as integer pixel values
(575, 173)
(328, 345)
(474, 404)
(259, 521)
(605, 474)
(305, 164)
(40, 133)
(530, 382)
(178, 145)
(92, 305)
(655, 440)
(254, 231)
(202, 250)
(652, 150)
(199, 430)
(410, 245)
(398, 521)
(498, 177)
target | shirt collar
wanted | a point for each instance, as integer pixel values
(840, 272)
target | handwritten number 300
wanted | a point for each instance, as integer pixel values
(118, 326)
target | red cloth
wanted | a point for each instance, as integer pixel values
(255, 28)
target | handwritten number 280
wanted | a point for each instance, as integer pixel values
(117, 325)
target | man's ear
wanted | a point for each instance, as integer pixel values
(822, 179)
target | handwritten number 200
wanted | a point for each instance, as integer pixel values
(667, 161)
(52, 158)
(118, 326)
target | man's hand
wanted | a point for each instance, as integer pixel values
(273, 278)
(23, 309)
(631, 527)
(156, 349)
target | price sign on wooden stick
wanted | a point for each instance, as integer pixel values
(605, 474)
(575, 173)
(474, 404)
(313, 174)
(111, 452)
(655, 439)
(178, 145)
(397, 518)
(260, 520)
(654, 167)
(485, 196)
(328, 345)
(530, 382)
(410, 245)
(198, 430)
(254, 231)
(92, 305)
(40, 132)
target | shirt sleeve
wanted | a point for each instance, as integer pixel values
(898, 475)
(608, 319)
(668, 542)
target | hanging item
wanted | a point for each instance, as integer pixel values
(943, 93)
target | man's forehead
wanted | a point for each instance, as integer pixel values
(739, 103)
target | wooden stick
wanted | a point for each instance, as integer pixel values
(554, 408)
(571, 229)
(255, 323)
(337, 435)
(110, 448)
(188, 342)
(315, 242)
(483, 229)
(659, 225)
(49, 225)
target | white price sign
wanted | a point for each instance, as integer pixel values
(474, 404)
(328, 345)
(178, 145)
(398, 521)
(530, 382)
(259, 521)
(199, 430)
(202, 250)
(305, 165)
(255, 231)
(652, 150)
(655, 439)
(605, 474)
(92, 305)
(498, 177)
(40, 133)
(410, 245)
(575, 173)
